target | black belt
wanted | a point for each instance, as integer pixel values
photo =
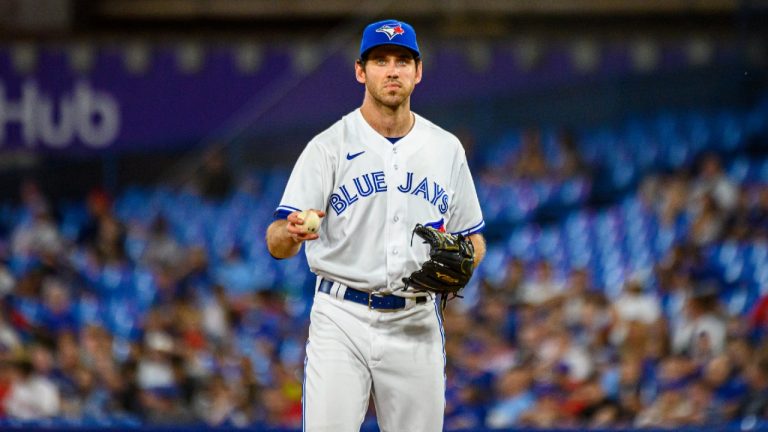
(372, 300)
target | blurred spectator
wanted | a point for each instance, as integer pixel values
(634, 310)
(24, 303)
(215, 179)
(216, 314)
(280, 411)
(630, 386)
(705, 409)
(671, 407)
(593, 329)
(472, 373)
(712, 180)
(57, 312)
(548, 411)
(708, 222)
(530, 162)
(9, 339)
(757, 320)
(493, 313)
(7, 376)
(39, 237)
(514, 396)
(748, 222)
(101, 231)
(740, 353)
(32, 395)
(559, 352)
(218, 404)
(758, 215)
(728, 387)
(164, 406)
(543, 288)
(701, 333)
(569, 163)
(739, 224)
(585, 401)
(511, 285)
(607, 414)
(109, 244)
(460, 403)
(576, 296)
(195, 272)
(163, 250)
(674, 201)
(155, 369)
(676, 288)
(236, 275)
(756, 401)
(7, 281)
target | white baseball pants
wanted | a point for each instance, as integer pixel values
(354, 352)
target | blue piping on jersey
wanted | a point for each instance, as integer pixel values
(442, 337)
(474, 230)
(283, 211)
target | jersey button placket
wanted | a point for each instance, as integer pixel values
(396, 206)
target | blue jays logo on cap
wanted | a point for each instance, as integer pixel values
(389, 32)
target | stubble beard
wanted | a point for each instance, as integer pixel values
(391, 99)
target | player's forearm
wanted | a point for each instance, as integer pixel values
(280, 242)
(478, 241)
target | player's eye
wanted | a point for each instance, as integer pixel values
(381, 62)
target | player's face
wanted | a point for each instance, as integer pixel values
(389, 75)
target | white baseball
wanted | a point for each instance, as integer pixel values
(311, 221)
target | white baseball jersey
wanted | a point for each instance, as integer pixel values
(374, 193)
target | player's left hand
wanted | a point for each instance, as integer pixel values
(450, 265)
(296, 230)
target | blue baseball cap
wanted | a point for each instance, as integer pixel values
(389, 32)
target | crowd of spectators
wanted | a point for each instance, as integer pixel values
(532, 157)
(202, 352)
(538, 349)
(542, 350)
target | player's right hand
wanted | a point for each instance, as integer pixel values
(295, 230)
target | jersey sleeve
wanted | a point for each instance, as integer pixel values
(466, 215)
(309, 184)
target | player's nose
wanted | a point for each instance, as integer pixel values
(392, 70)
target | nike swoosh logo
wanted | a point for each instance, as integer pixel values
(352, 156)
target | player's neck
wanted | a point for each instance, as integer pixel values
(389, 122)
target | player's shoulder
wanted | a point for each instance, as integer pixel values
(335, 134)
(440, 135)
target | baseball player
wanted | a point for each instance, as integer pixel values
(376, 177)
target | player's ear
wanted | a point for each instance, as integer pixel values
(419, 64)
(360, 71)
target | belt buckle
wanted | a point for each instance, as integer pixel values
(370, 298)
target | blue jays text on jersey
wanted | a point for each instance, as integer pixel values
(368, 184)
